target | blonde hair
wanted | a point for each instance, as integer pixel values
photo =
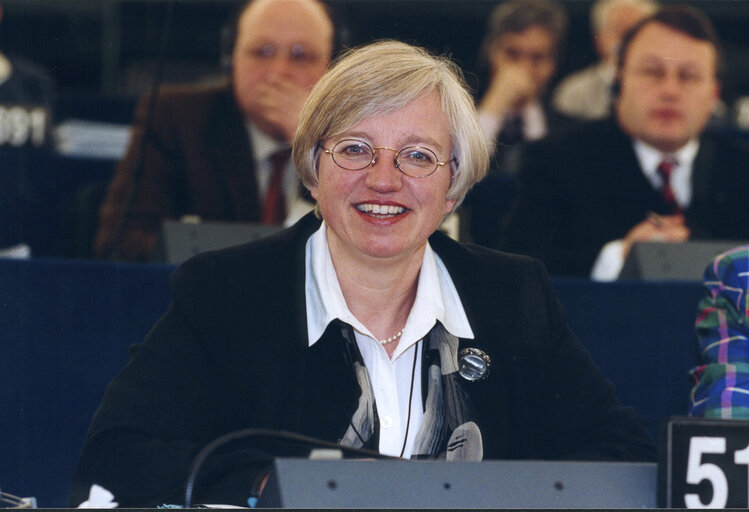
(381, 78)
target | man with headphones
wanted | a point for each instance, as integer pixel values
(651, 173)
(221, 152)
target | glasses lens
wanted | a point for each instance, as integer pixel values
(416, 161)
(352, 154)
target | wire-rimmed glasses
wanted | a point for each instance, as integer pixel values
(413, 161)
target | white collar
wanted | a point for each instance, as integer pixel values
(532, 114)
(436, 297)
(534, 119)
(681, 179)
(650, 157)
(263, 145)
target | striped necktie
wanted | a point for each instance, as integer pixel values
(665, 168)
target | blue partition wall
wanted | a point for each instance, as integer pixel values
(642, 336)
(65, 327)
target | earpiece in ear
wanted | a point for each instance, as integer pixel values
(228, 38)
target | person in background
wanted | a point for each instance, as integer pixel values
(222, 152)
(587, 94)
(522, 46)
(721, 382)
(27, 95)
(363, 325)
(651, 173)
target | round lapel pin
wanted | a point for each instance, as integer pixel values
(473, 364)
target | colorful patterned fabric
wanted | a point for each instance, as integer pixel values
(721, 387)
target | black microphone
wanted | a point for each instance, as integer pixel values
(280, 435)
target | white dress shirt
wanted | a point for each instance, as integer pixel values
(263, 146)
(610, 260)
(534, 123)
(393, 378)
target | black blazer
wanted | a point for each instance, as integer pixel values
(232, 352)
(580, 190)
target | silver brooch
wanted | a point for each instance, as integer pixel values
(473, 364)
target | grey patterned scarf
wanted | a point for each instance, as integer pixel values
(447, 430)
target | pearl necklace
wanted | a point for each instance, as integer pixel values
(391, 338)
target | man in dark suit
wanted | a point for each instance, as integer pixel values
(650, 174)
(521, 50)
(221, 152)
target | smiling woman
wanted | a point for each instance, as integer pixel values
(404, 146)
(351, 202)
(367, 328)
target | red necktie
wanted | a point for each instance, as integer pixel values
(274, 209)
(665, 168)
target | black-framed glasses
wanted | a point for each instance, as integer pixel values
(413, 161)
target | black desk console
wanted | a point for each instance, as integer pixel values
(299, 483)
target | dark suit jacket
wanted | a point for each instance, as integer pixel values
(580, 190)
(488, 202)
(232, 352)
(198, 160)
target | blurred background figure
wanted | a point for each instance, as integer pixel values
(653, 172)
(721, 383)
(522, 47)
(26, 101)
(222, 152)
(587, 93)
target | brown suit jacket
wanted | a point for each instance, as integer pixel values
(198, 160)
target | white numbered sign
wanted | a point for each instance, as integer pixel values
(704, 463)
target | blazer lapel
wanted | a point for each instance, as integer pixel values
(492, 335)
(330, 392)
(702, 214)
(233, 160)
(702, 189)
(629, 180)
